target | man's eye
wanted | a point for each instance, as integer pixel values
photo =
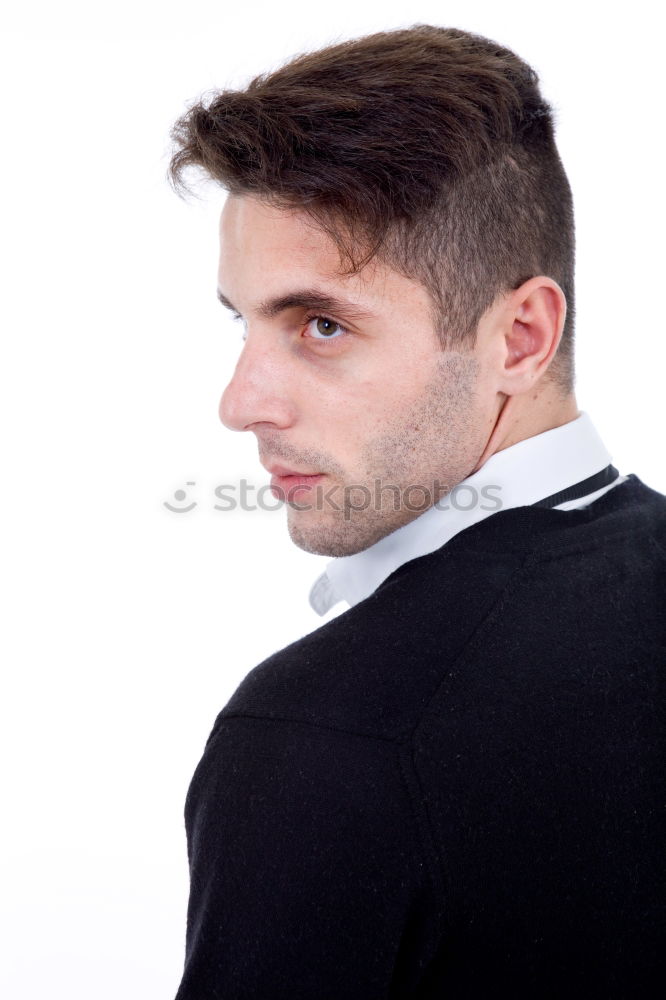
(236, 318)
(323, 328)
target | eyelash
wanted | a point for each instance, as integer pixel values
(308, 319)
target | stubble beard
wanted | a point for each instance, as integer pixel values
(424, 451)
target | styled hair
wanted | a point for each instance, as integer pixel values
(430, 148)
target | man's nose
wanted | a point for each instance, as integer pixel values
(259, 391)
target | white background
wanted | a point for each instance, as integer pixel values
(128, 627)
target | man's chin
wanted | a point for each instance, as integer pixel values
(338, 537)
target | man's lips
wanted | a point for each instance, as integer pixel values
(285, 482)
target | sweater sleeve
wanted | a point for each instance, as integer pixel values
(306, 875)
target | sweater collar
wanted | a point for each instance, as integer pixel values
(518, 476)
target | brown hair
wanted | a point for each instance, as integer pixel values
(429, 147)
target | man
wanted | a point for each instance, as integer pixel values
(452, 788)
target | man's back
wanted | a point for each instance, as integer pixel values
(454, 787)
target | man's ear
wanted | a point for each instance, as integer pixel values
(532, 324)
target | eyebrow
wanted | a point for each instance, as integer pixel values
(304, 298)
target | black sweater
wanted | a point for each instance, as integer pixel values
(453, 789)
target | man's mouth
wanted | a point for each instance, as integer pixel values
(288, 485)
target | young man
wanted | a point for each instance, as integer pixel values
(451, 789)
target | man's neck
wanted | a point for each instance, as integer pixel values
(524, 416)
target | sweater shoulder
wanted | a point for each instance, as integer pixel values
(375, 668)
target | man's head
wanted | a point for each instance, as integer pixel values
(410, 180)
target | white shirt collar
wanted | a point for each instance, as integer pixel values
(520, 475)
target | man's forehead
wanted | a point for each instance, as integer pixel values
(284, 250)
(247, 217)
(268, 253)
